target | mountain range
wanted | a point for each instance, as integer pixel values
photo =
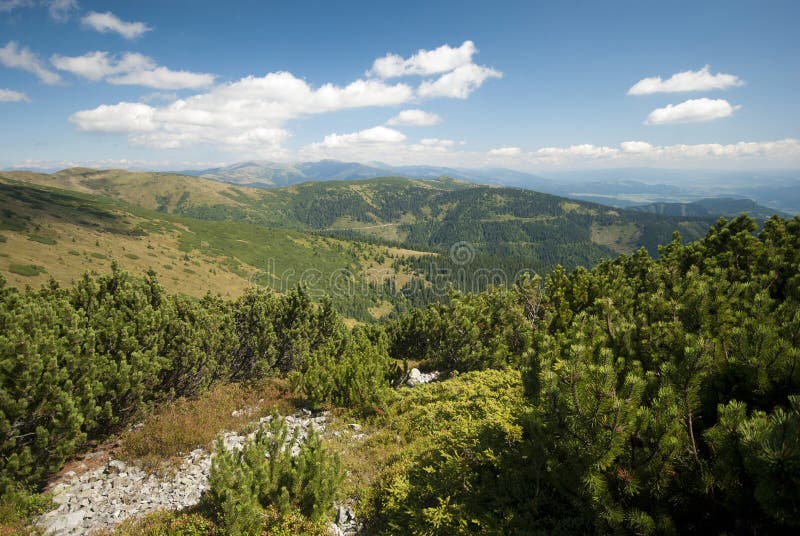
(777, 190)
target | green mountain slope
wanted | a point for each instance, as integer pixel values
(439, 231)
(48, 232)
(438, 212)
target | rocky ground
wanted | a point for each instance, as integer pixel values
(102, 497)
(104, 491)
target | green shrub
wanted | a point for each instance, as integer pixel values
(78, 363)
(27, 270)
(353, 373)
(470, 332)
(132, 256)
(244, 484)
(457, 463)
(3, 239)
(664, 391)
(43, 239)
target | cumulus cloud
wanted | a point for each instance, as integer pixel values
(370, 136)
(691, 111)
(459, 83)
(125, 117)
(381, 143)
(22, 58)
(701, 80)
(61, 10)
(9, 95)
(414, 118)
(98, 65)
(505, 151)
(247, 114)
(459, 75)
(108, 22)
(254, 110)
(635, 147)
(424, 62)
(131, 69)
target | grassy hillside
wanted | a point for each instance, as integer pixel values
(439, 212)
(387, 234)
(47, 232)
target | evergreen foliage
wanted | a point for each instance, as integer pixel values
(244, 483)
(352, 372)
(79, 363)
(662, 394)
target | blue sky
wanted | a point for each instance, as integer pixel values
(529, 85)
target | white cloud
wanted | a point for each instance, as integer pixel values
(459, 75)
(433, 151)
(432, 145)
(379, 143)
(98, 65)
(61, 10)
(163, 78)
(765, 149)
(251, 113)
(131, 69)
(582, 151)
(701, 80)
(691, 111)
(9, 95)
(636, 147)
(414, 118)
(424, 62)
(108, 22)
(246, 115)
(125, 117)
(505, 151)
(370, 136)
(459, 83)
(638, 152)
(22, 58)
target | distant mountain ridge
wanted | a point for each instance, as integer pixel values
(774, 190)
(710, 207)
(267, 174)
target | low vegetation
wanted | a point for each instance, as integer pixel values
(642, 396)
(26, 270)
(244, 485)
(190, 423)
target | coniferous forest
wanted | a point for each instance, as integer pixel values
(646, 395)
